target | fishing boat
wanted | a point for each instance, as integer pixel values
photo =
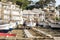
(5, 27)
(54, 24)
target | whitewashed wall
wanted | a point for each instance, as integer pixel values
(0, 13)
(15, 18)
(57, 13)
(6, 17)
(15, 13)
(6, 11)
(11, 13)
(13, 7)
(0, 8)
(0, 4)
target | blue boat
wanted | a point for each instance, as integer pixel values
(5, 27)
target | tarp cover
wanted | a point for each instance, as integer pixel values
(7, 35)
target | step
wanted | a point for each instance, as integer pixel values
(28, 34)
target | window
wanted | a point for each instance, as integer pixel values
(51, 14)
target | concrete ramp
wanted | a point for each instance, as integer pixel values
(44, 33)
(28, 34)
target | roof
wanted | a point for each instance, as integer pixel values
(28, 12)
(36, 10)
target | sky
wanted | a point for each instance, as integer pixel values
(57, 2)
(35, 0)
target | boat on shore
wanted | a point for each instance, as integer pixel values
(54, 24)
(5, 27)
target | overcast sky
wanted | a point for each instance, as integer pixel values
(35, 0)
(57, 2)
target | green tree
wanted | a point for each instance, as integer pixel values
(58, 19)
(45, 2)
(25, 3)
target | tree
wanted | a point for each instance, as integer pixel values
(48, 1)
(22, 3)
(45, 2)
(19, 3)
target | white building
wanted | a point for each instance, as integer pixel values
(10, 12)
(57, 13)
(41, 14)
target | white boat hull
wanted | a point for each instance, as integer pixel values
(54, 25)
(31, 24)
(8, 26)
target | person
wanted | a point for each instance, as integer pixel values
(24, 24)
(37, 23)
(17, 25)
